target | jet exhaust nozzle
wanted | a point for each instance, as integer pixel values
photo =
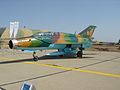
(12, 44)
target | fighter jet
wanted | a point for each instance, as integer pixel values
(65, 43)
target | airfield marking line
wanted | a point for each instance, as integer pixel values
(6, 58)
(76, 69)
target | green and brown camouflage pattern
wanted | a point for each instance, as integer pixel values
(45, 39)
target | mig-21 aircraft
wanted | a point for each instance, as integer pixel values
(65, 43)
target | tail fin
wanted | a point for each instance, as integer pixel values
(88, 32)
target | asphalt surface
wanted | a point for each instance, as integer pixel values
(97, 70)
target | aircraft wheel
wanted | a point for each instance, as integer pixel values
(60, 55)
(79, 54)
(35, 58)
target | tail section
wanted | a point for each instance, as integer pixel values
(88, 32)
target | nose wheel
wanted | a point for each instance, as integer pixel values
(35, 58)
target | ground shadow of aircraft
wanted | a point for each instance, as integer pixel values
(90, 54)
(42, 58)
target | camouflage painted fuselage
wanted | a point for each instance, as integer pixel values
(45, 39)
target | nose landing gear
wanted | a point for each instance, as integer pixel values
(35, 58)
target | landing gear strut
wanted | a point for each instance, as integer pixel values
(80, 53)
(35, 58)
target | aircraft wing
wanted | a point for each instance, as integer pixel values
(34, 48)
(55, 53)
(51, 46)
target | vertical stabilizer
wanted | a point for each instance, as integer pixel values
(88, 32)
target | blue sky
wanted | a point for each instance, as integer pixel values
(65, 16)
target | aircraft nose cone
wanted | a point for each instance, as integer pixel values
(10, 44)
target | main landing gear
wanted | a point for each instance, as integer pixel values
(35, 58)
(80, 53)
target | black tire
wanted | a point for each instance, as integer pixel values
(79, 54)
(61, 55)
(35, 58)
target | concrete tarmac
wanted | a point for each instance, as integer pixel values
(97, 70)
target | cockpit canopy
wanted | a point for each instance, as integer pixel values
(44, 34)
